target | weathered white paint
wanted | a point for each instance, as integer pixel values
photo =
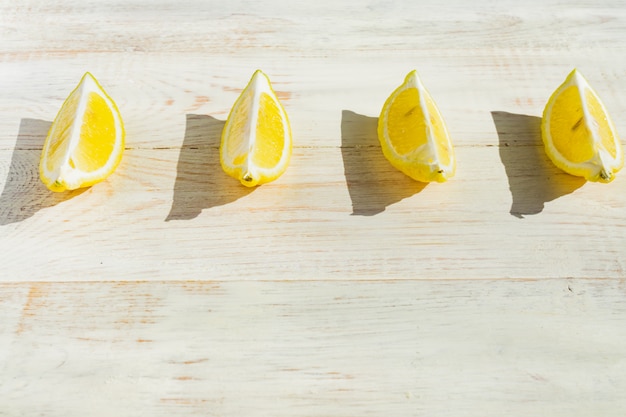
(343, 288)
(315, 348)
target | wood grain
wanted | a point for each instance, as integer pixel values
(315, 348)
(343, 288)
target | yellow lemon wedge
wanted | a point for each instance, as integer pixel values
(578, 134)
(413, 135)
(256, 140)
(85, 141)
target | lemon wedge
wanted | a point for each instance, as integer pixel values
(578, 134)
(413, 135)
(85, 141)
(256, 140)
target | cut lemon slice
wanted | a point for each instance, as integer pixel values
(256, 140)
(578, 134)
(413, 135)
(85, 141)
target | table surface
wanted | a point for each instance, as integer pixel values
(343, 288)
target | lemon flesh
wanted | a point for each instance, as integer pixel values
(256, 141)
(86, 139)
(578, 134)
(413, 134)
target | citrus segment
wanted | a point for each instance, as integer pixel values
(606, 132)
(256, 140)
(97, 138)
(405, 115)
(578, 134)
(270, 134)
(85, 141)
(413, 134)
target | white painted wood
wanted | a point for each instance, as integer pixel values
(343, 288)
(410, 348)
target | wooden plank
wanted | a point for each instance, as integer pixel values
(410, 348)
(336, 213)
(467, 85)
(241, 27)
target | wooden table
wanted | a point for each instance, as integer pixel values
(343, 288)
